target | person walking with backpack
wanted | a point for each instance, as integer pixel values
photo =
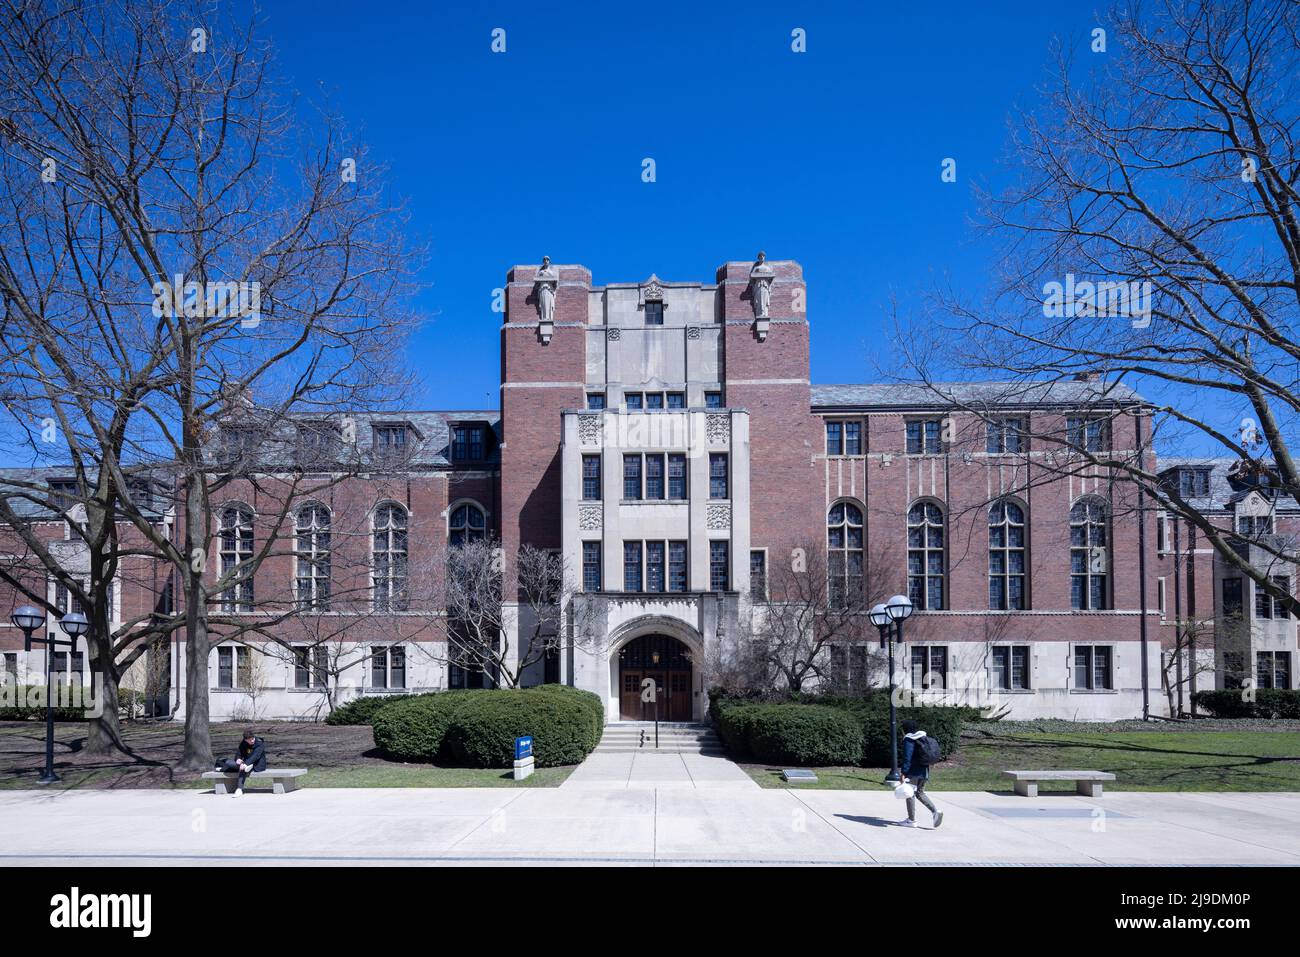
(920, 751)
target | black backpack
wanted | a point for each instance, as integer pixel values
(925, 751)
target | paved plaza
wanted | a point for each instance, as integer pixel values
(587, 822)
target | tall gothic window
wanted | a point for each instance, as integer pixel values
(313, 557)
(925, 560)
(1089, 555)
(1006, 557)
(844, 552)
(389, 558)
(236, 549)
(467, 524)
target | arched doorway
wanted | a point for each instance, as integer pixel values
(665, 660)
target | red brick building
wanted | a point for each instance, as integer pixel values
(666, 440)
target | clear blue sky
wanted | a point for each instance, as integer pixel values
(831, 157)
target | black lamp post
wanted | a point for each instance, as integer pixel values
(893, 612)
(654, 657)
(29, 619)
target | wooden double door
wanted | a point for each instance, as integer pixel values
(667, 662)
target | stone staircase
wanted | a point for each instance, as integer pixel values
(623, 737)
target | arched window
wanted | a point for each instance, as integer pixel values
(1089, 554)
(312, 582)
(925, 564)
(467, 525)
(236, 549)
(844, 552)
(1006, 557)
(389, 558)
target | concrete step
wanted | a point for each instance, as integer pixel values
(674, 738)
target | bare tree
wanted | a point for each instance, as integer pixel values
(177, 239)
(1152, 241)
(1182, 662)
(486, 632)
(817, 603)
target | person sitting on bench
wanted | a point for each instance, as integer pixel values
(250, 756)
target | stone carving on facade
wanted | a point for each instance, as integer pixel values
(761, 277)
(692, 332)
(545, 284)
(652, 291)
(717, 518)
(591, 518)
(717, 428)
(589, 429)
(614, 335)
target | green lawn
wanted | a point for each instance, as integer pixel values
(335, 756)
(1140, 760)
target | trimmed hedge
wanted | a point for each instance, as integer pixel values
(804, 734)
(478, 727)
(942, 722)
(740, 722)
(414, 728)
(483, 733)
(587, 701)
(362, 710)
(1268, 703)
(733, 724)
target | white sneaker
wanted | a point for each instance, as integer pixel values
(907, 822)
(239, 792)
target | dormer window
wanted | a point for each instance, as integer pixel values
(317, 442)
(654, 313)
(63, 493)
(1193, 483)
(390, 440)
(467, 443)
(238, 444)
(140, 491)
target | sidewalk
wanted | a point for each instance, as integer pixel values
(658, 770)
(640, 826)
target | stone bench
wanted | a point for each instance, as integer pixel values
(1088, 783)
(283, 780)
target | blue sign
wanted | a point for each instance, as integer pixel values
(523, 747)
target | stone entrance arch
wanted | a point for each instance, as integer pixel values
(680, 670)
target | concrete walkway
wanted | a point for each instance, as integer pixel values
(648, 769)
(640, 826)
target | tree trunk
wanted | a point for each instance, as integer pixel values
(198, 737)
(104, 735)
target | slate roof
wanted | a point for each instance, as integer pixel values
(14, 484)
(1224, 491)
(885, 395)
(428, 446)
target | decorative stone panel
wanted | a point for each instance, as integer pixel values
(589, 429)
(692, 332)
(717, 518)
(614, 335)
(717, 427)
(591, 518)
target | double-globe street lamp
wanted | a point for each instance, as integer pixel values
(888, 617)
(28, 619)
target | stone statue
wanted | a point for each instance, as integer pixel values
(760, 286)
(545, 283)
